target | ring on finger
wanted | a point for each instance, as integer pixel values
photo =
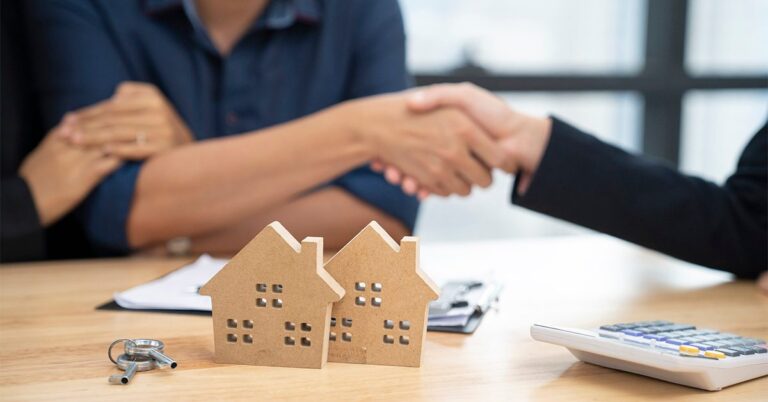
(141, 138)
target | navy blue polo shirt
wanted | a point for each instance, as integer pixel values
(299, 57)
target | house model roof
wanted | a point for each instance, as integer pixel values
(275, 255)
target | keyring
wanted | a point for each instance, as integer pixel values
(142, 363)
(109, 351)
(143, 346)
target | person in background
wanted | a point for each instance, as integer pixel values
(566, 173)
(283, 100)
(44, 177)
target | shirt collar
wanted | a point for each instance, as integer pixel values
(279, 14)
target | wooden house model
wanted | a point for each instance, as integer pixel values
(382, 318)
(272, 302)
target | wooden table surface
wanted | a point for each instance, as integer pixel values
(53, 342)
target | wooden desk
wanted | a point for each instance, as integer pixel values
(53, 343)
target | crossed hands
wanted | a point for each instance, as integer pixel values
(488, 135)
(90, 143)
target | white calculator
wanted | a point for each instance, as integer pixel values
(678, 353)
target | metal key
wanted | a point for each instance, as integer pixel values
(130, 365)
(150, 348)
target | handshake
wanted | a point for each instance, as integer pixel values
(446, 139)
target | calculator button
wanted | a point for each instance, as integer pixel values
(656, 330)
(655, 337)
(743, 350)
(749, 342)
(675, 342)
(688, 350)
(632, 332)
(714, 354)
(717, 344)
(737, 342)
(729, 352)
(702, 346)
(610, 328)
(759, 349)
(732, 343)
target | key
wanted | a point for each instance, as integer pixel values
(130, 365)
(729, 352)
(150, 348)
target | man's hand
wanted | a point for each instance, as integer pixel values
(444, 150)
(60, 175)
(135, 123)
(520, 138)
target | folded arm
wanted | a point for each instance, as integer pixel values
(211, 185)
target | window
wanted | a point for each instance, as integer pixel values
(514, 36)
(716, 127)
(727, 37)
(604, 66)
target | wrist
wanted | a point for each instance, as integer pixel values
(537, 132)
(354, 120)
(45, 204)
(528, 137)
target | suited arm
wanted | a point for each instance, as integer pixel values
(588, 182)
(22, 234)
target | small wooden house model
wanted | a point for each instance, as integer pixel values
(272, 302)
(382, 319)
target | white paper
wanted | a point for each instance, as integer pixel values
(179, 291)
(176, 291)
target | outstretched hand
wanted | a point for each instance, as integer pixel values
(520, 138)
(443, 149)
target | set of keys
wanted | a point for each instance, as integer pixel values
(139, 355)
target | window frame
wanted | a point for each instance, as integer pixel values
(662, 82)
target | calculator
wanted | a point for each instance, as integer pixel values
(679, 353)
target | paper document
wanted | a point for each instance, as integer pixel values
(179, 291)
(175, 291)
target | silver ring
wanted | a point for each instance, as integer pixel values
(143, 363)
(141, 138)
(141, 347)
(109, 351)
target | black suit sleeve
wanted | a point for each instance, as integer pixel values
(22, 236)
(588, 182)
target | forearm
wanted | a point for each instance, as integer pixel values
(214, 184)
(644, 202)
(331, 213)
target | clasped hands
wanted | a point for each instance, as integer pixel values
(90, 143)
(471, 131)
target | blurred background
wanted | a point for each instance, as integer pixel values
(684, 81)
